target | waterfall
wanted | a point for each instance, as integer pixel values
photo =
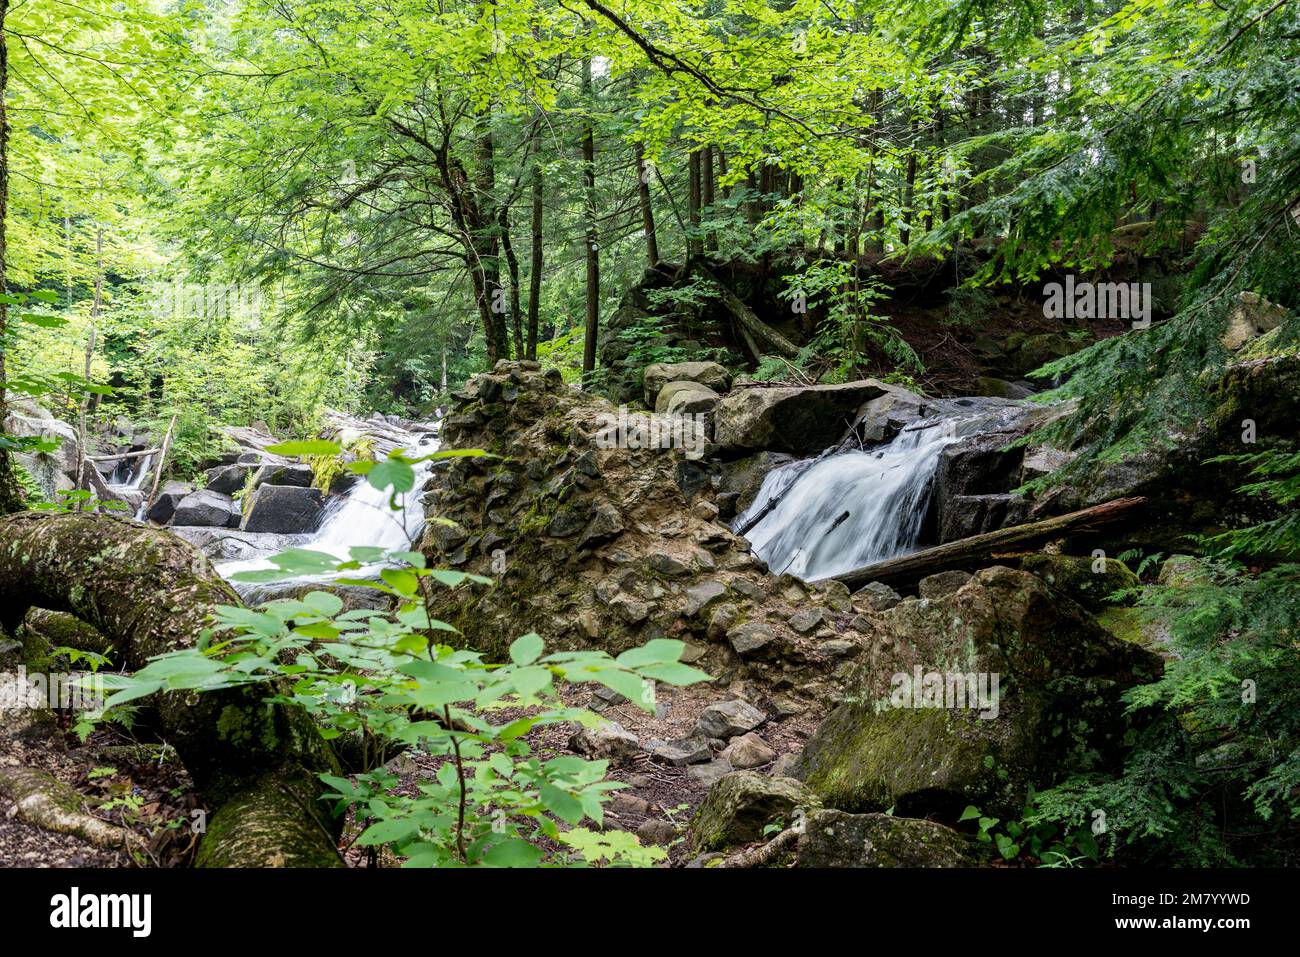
(129, 474)
(821, 517)
(361, 516)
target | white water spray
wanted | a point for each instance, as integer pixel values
(363, 516)
(822, 517)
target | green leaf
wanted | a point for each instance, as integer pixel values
(385, 832)
(513, 853)
(562, 804)
(526, 649)
(394, 474)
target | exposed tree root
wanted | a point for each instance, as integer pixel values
(764, 854)
(46, 802)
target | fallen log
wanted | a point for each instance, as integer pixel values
(148, 592)
(979, 550)
(748, 318)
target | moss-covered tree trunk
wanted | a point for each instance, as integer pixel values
(11, 498)
(148, 592)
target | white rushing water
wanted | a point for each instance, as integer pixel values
(362, 516)
(130, 474)
(846, 510)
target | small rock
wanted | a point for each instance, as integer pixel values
(705, 511)
(610, 740)
(783, 766)
(604, 697)
(666, 564)
(701, 596)
(807, 619)
(787, 707)
(605, 524)
(624, 804)
(721, 621)
(836, 595)
(749, 751)
(876, 596)
(943, 583)
(726, 719)
(709, 774)
(683, 751)
(753, 639)
(839, 648)
(656, 831)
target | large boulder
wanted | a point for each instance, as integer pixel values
(227, 479)
(712, 376)
(682, 398)
(208, 508)
(166, 501)
(1089, 581)
(1251, 315)
(283, 509)
(283, 473)
(800, 420)
(737, 483)
(833, 838)
(53, 471)
(974, 697)
(741, 804)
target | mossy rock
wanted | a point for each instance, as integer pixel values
(1054, 711)
(741, 804)
(837, 839)
(1089, 581)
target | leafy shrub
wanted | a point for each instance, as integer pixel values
(394, 679)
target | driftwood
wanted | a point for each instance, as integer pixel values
(748, 319)
(121, 457)
(148, 592)
(980, 549)
(158, 467)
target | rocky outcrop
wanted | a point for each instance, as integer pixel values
(833, 838)
(594, 542)
(742, 804)
(801, 420)
(925, 730)
(207, 508)
(283, 510)
(711, 375)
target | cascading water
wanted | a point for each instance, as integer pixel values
(361, 517)
(130, 474)
(822, 517)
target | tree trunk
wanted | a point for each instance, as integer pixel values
(11, 496)
(694, 246)
(512, 266)
(909, 192)
(589, 209)
(536, 250)
(487, 245)
(148, 592)
(979, 550)
(706, 195)
(643, 173)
